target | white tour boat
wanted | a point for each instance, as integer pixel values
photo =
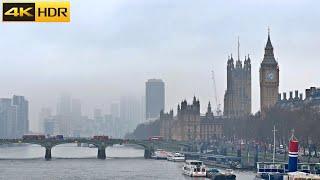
(178, 157)
(194, 168)
(175, 157)
(160, 154)
(170, 156)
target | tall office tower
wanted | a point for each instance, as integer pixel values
(155, 98)
(44, 114)
(269, 78)
(76, 117)
(76, 109)
(22, 107)
(143, 109)
(130, 114)
(8, 119)
(64, 104)
(64, 117)
(114, 110)
(237, 98)
(115, 116)
(97, 114)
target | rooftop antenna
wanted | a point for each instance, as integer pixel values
(238, 48)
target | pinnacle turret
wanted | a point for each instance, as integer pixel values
(268, 52)
(209, 107)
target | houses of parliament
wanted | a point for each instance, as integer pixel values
(237, 98)
(190, 124)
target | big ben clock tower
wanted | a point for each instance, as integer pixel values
(269, 78)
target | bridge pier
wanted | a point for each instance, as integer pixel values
(102, 153)
(48, 153)
(147, 153)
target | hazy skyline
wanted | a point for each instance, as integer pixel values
(112, 50)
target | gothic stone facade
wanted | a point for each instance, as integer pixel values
(269, 79)
(237, 98)
(189, 125)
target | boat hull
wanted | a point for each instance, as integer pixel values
(223, 177)
(270, 176)
(195, 174)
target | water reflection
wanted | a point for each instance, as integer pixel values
(28, 151)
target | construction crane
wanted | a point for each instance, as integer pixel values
(217, 102)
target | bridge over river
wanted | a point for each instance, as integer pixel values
(148, 145)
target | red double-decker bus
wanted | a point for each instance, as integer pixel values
(101, 138)
(33, 137)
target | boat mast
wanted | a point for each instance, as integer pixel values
(274, 143)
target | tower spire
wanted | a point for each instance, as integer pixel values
(269, 44)
(238, 48)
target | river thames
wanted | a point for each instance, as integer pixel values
(73, 163)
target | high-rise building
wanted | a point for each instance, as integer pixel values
(64, 116)
(115, 110)
(49, 127)
(114, 119)
(237, 98)
(22, 107)
(269, 78)
(142, 109)
(8, 119)
(14, 121)
(155, 98)
(130, 114)
(97, 114)
(44, 114)
(76, 108)
(76, 117)
(64, 104)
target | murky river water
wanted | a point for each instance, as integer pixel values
(72, 163)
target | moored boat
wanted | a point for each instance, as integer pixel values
(170, 156)
(222, 161)
(301, 176)
(211, 172)
(194, 168)
(270, 170)
(215, 174)
(160, 154)
(178, 157)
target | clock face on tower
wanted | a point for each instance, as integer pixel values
(270, 76)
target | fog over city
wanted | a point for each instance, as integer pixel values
(111, 48)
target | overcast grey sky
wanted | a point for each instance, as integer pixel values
(111, 47)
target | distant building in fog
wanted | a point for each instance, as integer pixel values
(63, 117)
(76, 117)
(49, 126)
(143, 109)
(44, 114)
(97, 114)
(22, 114)
(8, 119)
(115, 110)
(14, 117)
(130, 114)
(155, 98)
